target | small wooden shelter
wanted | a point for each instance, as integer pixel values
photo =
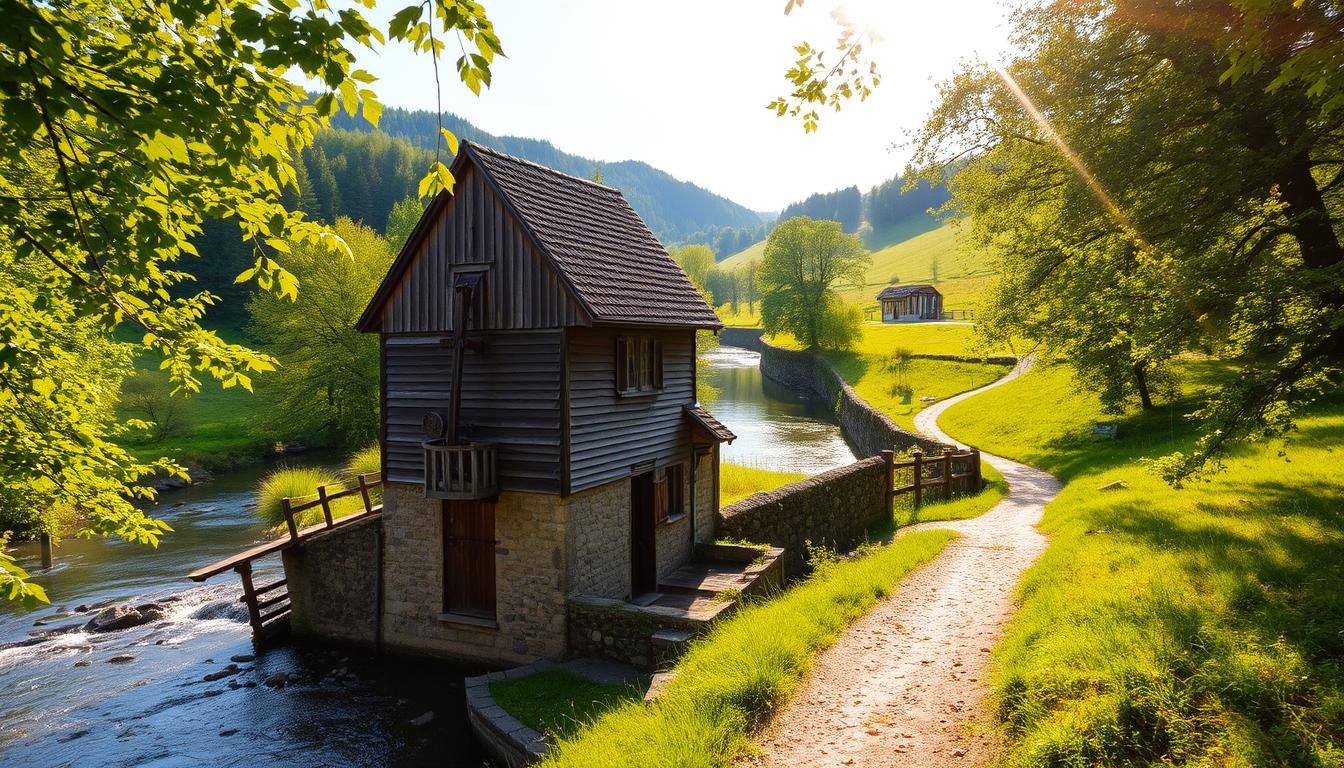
(910, 303)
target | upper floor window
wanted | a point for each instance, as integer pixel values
(639, 364)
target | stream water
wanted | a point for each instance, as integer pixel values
(73, 699)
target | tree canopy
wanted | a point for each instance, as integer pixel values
(803, 262)
(123, 127)
(1162, 179)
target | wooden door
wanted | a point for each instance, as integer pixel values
(469, 558)
(643, 550)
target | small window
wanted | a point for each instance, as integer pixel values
(639, 364)
(676, 492)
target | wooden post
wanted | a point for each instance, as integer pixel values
(947, 473)
(918, 456)
(244, 570)
(289, 518)
(326, 505)
(976, 477)
(44, 541)
(888, 458)
(364, 494)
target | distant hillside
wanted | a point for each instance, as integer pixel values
(675, 210)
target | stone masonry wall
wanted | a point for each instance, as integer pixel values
(835, 507)
(599, 533)
(333, 583)
(529, 579)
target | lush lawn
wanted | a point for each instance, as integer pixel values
(937, 378)
(557, 702)
(742, 318)
(747, 665)
(921, 338)
(737, 482)
(1202, 626)
(959, 508)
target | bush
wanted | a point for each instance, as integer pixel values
(297, 483)
(367, 460)
(841, 325)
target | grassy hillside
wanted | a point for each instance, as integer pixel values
(1200, 626)
(964, 272)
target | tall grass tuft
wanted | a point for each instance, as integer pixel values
(365, 461)
(738, 481)
(297, 483)
(730, 680)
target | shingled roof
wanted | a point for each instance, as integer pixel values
(711, 427)
(604, 253)
(901, 291)
(615, 264)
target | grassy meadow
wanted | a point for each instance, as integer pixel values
(1200, 626)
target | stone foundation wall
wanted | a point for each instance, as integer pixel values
(835, 508)
(599, 530)
(611, 629)
(867, 429)
(529, 579)
(332, 580)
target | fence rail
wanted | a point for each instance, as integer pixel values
(363, 485)
(957, 314)
(953, 472)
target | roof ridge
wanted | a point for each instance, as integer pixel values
(552, 171)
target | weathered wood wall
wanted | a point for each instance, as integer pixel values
(511, 396)
(521, 290)
(609, 433)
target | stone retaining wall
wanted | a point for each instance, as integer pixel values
(332, 580)
(834, 508)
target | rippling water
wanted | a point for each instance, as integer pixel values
(63, 703)
(775, 427)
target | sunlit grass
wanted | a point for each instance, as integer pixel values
(1201, 626)
(737, 481)
(300, 484)
(939, 379)
(749, 664)
(557, 702)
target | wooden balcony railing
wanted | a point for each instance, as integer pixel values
(460, 471)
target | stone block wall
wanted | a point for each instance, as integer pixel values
(530, 573)
(599, 532)
(867, 429)
(332, 580)
(611, 629)
(835, 507)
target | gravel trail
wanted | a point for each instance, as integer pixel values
(906, 684)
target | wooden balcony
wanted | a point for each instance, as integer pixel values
(460, 471)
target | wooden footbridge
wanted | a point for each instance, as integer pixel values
(268, 605)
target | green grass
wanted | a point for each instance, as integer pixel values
(728, 682)
(937, 378)
(753, 252)
(1202, 626)
(921, 338)
(557, 702)
(958, 508)
(737, 481)
(300, 485)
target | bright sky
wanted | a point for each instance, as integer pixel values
(683, 85)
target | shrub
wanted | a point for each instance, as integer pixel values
(298, 483)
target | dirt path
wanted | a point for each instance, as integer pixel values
(905, 685)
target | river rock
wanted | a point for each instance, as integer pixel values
(242, 658)
(424, 719)
(232, 669)
(117, 617)
(122, 658)
(83, 663)
(277, 679)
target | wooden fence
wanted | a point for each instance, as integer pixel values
(952, 473)
(268, 605)
(957, 314)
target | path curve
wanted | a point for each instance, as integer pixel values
(906, 684)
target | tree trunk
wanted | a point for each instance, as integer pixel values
(1141, 383)
(1311, 219)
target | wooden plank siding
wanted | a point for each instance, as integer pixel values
(609, 433)
(521, 289)
(511, 396)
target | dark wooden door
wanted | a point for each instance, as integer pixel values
(643, 551)
(469, 558)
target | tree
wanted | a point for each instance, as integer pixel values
(123, 126)
(145, 396)
(804, 259)
(750, 292)
(401, 222)
(326, 385)
(697, 261)
(1159, 183)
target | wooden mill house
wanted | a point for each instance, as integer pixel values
(541, 439)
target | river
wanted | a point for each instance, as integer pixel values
(64, 703)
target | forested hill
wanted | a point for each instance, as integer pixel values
(676, 211)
